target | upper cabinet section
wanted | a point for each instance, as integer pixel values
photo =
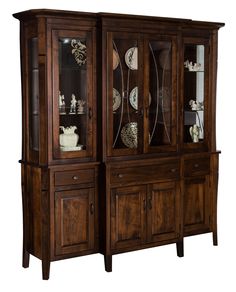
(141, 93)
(72, 94)
(196, 93)
(98, 86)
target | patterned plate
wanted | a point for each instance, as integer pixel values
(115, 59)
(129, 135)
(133, 98)
(116, 99)
(131, 58)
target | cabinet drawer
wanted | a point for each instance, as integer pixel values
(199, 166)
(144, 174)
(72, 177)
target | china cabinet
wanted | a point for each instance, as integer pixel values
(119, 139)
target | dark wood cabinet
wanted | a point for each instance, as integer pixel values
(74, 221)
(196, 205)
(128, 217)
(119, 134)
(163, 220)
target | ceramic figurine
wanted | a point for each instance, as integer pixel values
(73, 105)
(80, 107)
(194, 132)
(62, 105)
(196, 105)
(69, 138)
(191, 66)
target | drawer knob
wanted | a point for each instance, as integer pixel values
(173, 170)
(120, 175)
(75, 177)
(196, 165)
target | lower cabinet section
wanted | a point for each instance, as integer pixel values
(163, 211)
(144, 214)
(196, 205)
(74, 221)
(128, 216)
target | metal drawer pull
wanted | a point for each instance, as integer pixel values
(91, 208)
(196, 165)
(173, 170)
(75, 177)
(120, 175)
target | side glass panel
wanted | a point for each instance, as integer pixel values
(33, 94)
(125, 95)
(160, 93)
(72, 95)
(194, 93)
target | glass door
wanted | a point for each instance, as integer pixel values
(195, 91)
(160, 94)
(73, 90)
(124, 94)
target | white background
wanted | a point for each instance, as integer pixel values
(204, 267)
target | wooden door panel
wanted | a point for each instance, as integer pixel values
(74, 224)
(128, 216)
(163, 204)
(196, 205)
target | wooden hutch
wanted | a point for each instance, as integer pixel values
(119, 139)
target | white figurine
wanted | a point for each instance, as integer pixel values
(196, 105)
(80, 108)
(191, 66)
(73, 104)
(194, 132)
(62, 106)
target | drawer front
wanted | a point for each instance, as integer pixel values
(197, 166)
(73, 177)
(144, 174)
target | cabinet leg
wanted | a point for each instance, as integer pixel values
(25, 258)
(180, 248)
(215, 238)
(45, 269)
(108, 263)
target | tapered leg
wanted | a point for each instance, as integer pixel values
(45, 269)
(108, 263)
(215, 238)
(180, 248)
(25, 258)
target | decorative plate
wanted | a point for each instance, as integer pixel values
(131, 58)
(115, 59)
(79, 51)
(129, 135)
(116, 99)
(133, 98)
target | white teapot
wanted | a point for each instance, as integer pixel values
(69, 138)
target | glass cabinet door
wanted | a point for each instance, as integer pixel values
(124, 95)
(33, 67)
(73, 91)
(194, 93)
(160, 95)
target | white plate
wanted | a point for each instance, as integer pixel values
(131, 58)
(115, 59)
(129, 135)
(116, 99)
(133, 98)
